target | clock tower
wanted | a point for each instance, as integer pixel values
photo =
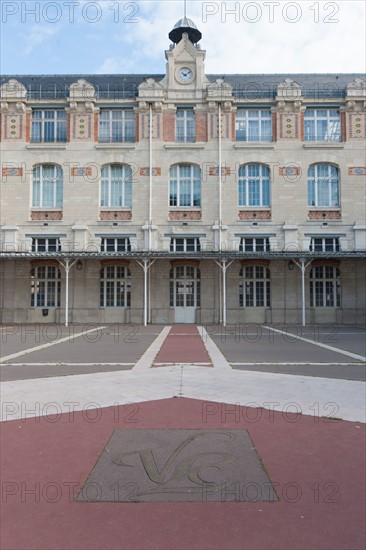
(185, 59)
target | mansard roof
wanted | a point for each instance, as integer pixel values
(335, 84)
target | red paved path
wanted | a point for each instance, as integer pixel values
(318, 456)
(183, 345)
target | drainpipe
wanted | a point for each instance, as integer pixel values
(150, 202)
(302, 265)
(67, 266)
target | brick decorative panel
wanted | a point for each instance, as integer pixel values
(176, 215)
(357, 171)
(111, 215)
(146, 171)
(81, 171)
(245, 215)
(324, 215)
(12, 171)
(45, 216)
(201, 126)
(81, 126)
(169, 127)
(289, 170)
(214, 171)
(356, 125)
(288, 126)
(13, 126)
(226, 126)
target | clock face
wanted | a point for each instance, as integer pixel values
(185, 75)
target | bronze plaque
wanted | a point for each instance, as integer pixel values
(178, 466)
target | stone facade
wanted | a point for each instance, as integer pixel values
(288, 221)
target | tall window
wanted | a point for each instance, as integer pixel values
(48, 126)
(254, 244)
(254, 185)
(253, 125)
(115, 287)
(47, 186)
(47, 244)
(325, 286)
(324, 244)
(45, 286)
(323, 185)
(116, 125)
(254, 287)
(322, 125)
(185, 244)
(185, 185)
(185, 125)
(116, 186)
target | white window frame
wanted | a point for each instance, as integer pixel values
(119, 286)
(41, 287)
(114, 126)
(185, 243)
(254, 244)
(185, 129)
(316, 181)
(252, 279)
(109, 180)
(325, 288)
(118, 244)
(41, 180)
(48, 242)
(333, 124)
(52, 129)
(261, 180)
(324, 244)
(243, 119)
(176, 182)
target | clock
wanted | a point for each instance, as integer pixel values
(184, 75)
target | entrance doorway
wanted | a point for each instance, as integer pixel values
(185, 293)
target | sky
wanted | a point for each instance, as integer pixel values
(115, 36)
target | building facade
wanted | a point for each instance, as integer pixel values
(183, 197)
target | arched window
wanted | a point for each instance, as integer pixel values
(185, 185)
(323, 185)
(45, 286)
(325, 286)
(115, 286)
(254, 185)
(254, 287)
(116, 186)
(47, 186)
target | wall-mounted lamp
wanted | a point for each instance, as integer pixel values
(79, 265)
(291, 265)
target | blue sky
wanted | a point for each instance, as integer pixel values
(115, 36)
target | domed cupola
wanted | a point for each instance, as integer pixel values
(185, 25)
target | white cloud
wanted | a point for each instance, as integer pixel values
(37, 36)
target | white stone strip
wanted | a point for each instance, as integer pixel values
(147, 359)
(218, 359)
(63, 364)
(319, 344)
(44, 346)
(173, 364)
(307, 363)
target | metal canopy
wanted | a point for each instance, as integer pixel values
(166, 255)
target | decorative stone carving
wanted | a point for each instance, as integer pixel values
(356, 88)
(12, 90)
(289, 90)
(82, 90)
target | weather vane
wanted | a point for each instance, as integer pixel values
(185, 8)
